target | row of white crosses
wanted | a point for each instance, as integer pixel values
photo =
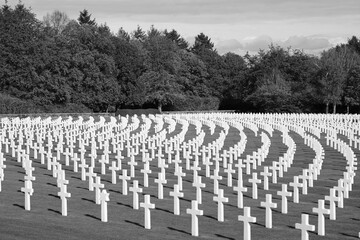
(194, 211)
(220, 198)
(125, 182)
(342, 189)
(305, 227)
(310, 175)
(52, 163)
(2, 167)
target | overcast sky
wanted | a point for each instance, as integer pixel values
(233, 25)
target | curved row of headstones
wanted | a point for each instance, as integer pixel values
(126, 134)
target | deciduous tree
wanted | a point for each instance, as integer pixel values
(56, 21)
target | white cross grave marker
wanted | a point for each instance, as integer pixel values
(295, 186)
(113, 170)
(266, 175)
(97, 185)
(304, 226)
(176, 194)
(220, 199)
(147, 205)
(194, 212)
(91, 176)
(332, 198)
(284, 194)
(28, 190)
(198, 185)
(160, 181)
(216, 177)
(268, 205)
(124, 177)
(135, 189)
(254, 180)
(104, 198)
(63, 194)
(247, 219)
(146, 170)
(229, 172)
(321, 210)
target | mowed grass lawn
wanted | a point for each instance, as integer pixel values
(45, 221)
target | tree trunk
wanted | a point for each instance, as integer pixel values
(347, 109)
(160, 107)
(327, 108)
(334, 108)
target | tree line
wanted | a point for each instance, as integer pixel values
(59, 64)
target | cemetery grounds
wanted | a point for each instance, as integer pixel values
(321, 149)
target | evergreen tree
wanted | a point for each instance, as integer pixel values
(85, 18)
(202, 42)
(139, 34)
(174, 36)
(122, 34)
(354, 43)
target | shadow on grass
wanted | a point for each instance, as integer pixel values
(123, 204)
(349, 235)
(92, 216)
(21, 172)
(115, 191)
(186, 200)
(222, 236)
(82, 188)
(164, 210)
(230, 205)
(88, 200)
(208, 216)
(256, 223)
(47, 174)
(309, 213)
(75, 177)
(51, 184)
(18, 205)
(275, 210)
(53, 195)
(151, 195)
(179, 230)
(135, 223)
(276, 197)
(55, 211)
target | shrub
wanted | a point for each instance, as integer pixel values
(194, 103)
(131, 112)
(12, 105)
(67, 108)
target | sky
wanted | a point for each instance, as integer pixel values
(237, 26)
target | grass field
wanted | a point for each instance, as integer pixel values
(45, 221)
